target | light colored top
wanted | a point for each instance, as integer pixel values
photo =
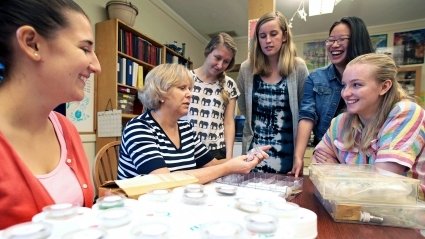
(62, 176)
(400, 140)
(206, 112)
(18, 182)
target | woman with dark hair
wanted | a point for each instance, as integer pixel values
(212, 110)
(47, 56)
(271, 82)
(348, 38)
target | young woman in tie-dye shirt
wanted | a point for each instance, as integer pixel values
(382, 125)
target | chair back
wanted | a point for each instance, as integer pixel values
(106, 164)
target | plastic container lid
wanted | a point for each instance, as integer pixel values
(60, 211)
(27, 230)
(110, 201)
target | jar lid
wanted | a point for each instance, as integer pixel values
(151, 230)
(194, 198)
(115, 217)
(194, 188)
(226, 190)
(88, 233)
(261, 223)
(110, 201)
(222, 230)
(60, 210)
(28, 230)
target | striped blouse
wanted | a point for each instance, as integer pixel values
(145, 147)
(401, 140)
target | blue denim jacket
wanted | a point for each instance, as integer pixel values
(322, 93)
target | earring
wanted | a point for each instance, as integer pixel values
(35, 53)
(162, 101)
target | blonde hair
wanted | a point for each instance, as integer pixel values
(222, 39)
(159, 80)
(287, 54)
(384, 68)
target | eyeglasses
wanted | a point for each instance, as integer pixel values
(330, 42)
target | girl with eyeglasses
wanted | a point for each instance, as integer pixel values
(348, 38)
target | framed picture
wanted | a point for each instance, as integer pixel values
(409, 47)
(315, 54)
(379, 41)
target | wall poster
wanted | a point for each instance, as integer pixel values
(409, 47)
(315, 55)
(379, 41)
(81, 112)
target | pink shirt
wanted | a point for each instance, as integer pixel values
(62, 183)
(400, 140)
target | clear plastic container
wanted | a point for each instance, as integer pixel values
(87, 233)
(227, 190)
(110, 201)
(287, 186)
(363, 183)
(384, 214)
(261, 223)
(222, 230)
(150, 230)
(194, 198)
(115, 217)
(65, 218)
(194, 188)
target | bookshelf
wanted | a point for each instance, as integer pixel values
(410, 78)
(126, 56)
(172, 56)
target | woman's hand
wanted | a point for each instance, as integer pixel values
(320, 156)
(297, 167)
(245, 163)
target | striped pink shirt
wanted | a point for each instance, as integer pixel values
(401, 140)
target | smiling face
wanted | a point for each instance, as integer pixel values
(218, 60)
(337, 51)
(362, 93)
(68, 58)
(271, 38)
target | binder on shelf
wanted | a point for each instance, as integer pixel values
(123, 69)
(135, 74)
(129, 73)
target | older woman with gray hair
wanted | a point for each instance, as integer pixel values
(158, 141)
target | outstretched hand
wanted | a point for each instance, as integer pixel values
(245, 163)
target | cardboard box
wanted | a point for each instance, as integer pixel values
(134, 187)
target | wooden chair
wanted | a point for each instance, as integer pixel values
(106, 164)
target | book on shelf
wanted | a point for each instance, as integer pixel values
(129, 73)
(123, 70)
(140, 78)
(135, 74)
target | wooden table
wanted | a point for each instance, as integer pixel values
(328, 228)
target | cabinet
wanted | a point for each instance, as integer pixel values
(126, 56)
(410, 78)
